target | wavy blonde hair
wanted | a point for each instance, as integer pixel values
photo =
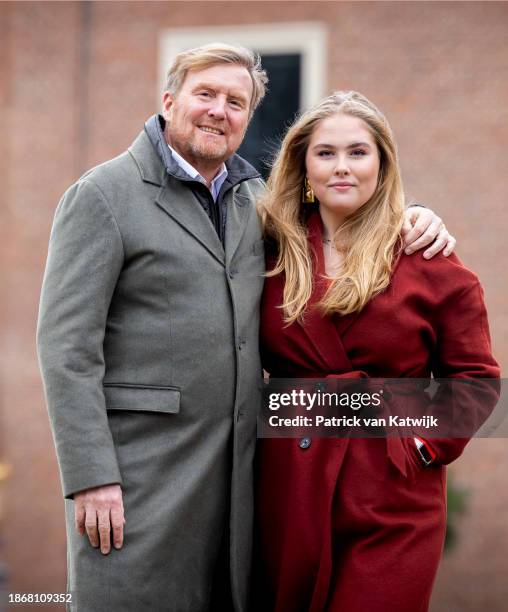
(369, 238)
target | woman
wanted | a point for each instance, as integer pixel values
(355, 525)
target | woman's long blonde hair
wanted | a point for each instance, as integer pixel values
(370, 236)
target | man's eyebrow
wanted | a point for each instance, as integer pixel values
(213, 87)
(238, 95)
(203, 85)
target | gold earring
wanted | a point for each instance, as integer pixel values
(307, 193)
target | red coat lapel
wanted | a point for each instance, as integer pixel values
(324, 331)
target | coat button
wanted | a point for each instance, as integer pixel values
(305, 443)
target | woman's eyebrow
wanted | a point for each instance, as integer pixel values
(353, 145)
(323, 145)
(359, 144)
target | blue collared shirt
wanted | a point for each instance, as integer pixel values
(217, 182)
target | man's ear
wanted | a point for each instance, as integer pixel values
(167, 104)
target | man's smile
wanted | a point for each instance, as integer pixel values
(211, 130)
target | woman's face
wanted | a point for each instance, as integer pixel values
(342, 162)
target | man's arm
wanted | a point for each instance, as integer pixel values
(422, 227)
(84, 261)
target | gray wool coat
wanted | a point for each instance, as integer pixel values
(148, 345)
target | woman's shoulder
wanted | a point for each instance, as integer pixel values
(442, 274)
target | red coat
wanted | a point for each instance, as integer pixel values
(358, 525)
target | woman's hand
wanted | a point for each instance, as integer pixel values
(422, 227)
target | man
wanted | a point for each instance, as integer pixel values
(148, 343)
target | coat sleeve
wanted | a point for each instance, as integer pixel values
(84, 261)
(464, 355)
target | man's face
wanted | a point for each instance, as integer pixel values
(208, 117)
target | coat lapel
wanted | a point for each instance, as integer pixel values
(324, 332)
(178, 201)
(147, 160)
(238, 206)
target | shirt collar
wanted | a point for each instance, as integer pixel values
(217, 181)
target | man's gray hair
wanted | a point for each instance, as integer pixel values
(210, 55)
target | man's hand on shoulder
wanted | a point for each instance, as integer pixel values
(99, 513)
(422, 227)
